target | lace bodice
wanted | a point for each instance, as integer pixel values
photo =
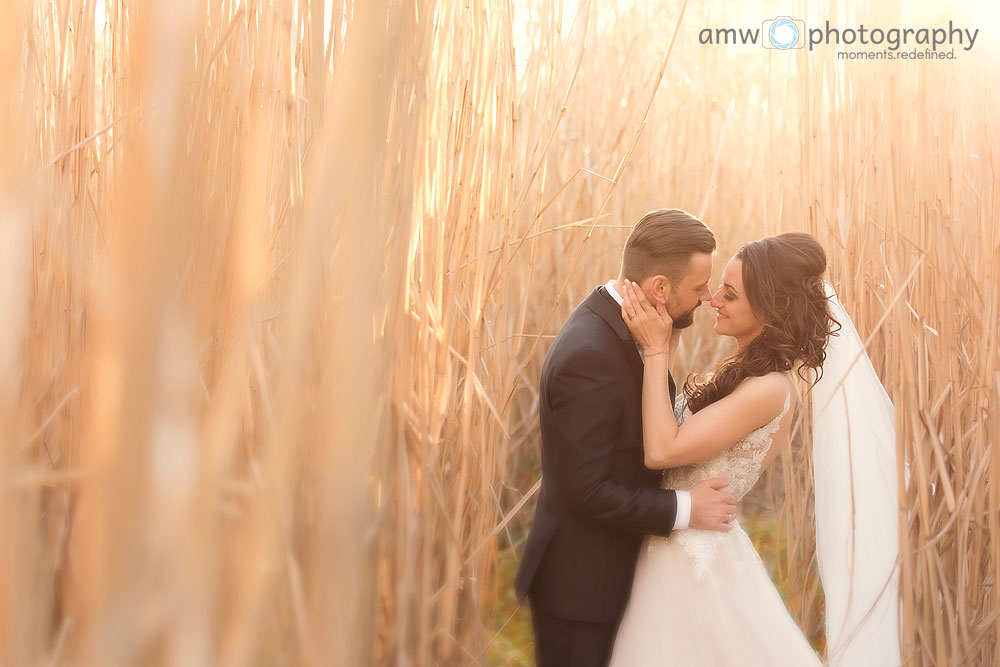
(741, 463)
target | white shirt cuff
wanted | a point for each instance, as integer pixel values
(683, 518)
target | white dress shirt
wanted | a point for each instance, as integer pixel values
(683, 518)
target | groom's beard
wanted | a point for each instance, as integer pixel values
(685, 320)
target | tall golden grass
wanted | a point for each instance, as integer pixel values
(278, 279)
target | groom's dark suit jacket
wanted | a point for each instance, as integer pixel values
(598, 498)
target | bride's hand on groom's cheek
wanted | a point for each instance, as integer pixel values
(651, 327)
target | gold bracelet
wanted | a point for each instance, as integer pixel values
(652, 354)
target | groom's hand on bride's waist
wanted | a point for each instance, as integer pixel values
(711, 509)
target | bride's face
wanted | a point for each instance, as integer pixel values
(734, 317)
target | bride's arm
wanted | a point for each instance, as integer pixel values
(659, 428)
(653, 330)
(714, 428)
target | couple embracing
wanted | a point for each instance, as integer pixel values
(635, 557)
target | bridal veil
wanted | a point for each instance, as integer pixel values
(854, 463)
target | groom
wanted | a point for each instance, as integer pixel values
(597, 498)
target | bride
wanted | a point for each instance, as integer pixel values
(705, 598)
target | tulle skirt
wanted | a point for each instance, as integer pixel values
(705, 598)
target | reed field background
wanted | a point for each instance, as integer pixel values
(277, 280)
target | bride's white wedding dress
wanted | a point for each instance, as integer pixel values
(703, 597)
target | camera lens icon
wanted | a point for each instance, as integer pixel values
(783, 33)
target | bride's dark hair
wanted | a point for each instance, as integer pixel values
(783, 281)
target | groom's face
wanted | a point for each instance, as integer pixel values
(684, 298)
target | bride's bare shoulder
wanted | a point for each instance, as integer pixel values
(775, 382)
(770, 390)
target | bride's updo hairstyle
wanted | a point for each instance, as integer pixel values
(783, 281)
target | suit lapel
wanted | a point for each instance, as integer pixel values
(608, 309)
(604, 305)
(632, 352)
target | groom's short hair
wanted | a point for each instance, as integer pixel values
(662, 242)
